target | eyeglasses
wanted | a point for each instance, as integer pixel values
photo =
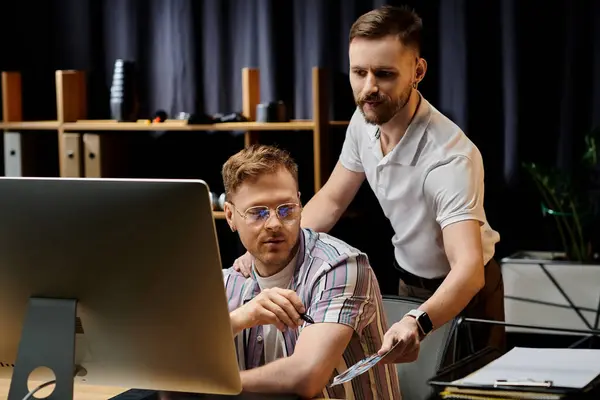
(287, 213)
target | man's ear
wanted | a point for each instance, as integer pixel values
(228, 209)
(420, 70)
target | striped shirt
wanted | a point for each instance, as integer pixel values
(336, 284)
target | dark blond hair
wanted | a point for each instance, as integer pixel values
(252, 162)
(402, 22)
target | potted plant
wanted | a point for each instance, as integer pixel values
(561, 288)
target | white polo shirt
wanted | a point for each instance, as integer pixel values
(432, 178)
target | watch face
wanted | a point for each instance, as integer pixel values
(425, 322)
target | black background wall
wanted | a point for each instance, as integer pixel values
(521, 78)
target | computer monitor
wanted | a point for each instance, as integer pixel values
(119, 278)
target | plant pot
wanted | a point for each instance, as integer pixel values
(532, 298)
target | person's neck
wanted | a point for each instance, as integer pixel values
(265, 270)
(393, 130)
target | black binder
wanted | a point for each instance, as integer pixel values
(461, 369)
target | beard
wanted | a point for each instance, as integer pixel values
(382, 108)
(275, 259)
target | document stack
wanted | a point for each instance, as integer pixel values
(529, 373)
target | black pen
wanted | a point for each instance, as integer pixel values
(307, 318)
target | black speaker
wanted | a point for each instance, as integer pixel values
(274, 111)
(124, 102)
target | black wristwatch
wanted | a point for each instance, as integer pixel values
(423, 321)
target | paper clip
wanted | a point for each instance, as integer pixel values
(530, 383)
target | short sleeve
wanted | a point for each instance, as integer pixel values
(350, 155)
(234, 288)
(455, 190)
(344, 293)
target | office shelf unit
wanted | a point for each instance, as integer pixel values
(85, 152)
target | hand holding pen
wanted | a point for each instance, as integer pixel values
(280, 307)
(307, 318)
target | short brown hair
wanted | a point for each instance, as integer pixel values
(402, 22)
(252, 162)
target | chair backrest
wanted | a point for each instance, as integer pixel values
(414, 376)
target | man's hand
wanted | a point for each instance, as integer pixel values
(406, 335)
(279, 307)
(244, 264)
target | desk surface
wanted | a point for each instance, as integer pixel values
(88, 392)
(82, 392)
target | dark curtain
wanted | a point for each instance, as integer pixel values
(522, 78)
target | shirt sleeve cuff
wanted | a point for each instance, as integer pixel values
(464, 216)
(352, 166)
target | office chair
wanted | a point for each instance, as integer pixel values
(414, 376)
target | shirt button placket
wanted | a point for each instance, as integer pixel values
(379, 180)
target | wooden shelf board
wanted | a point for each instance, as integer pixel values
(219, 214)
(339, 123)
(175, 125)
(31, 125)
(331, 123)
(169, 125)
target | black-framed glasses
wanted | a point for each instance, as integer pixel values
(287, 213)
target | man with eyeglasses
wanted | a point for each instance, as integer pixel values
(310, 307)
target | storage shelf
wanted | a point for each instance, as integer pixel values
(31, 125)
(84, 151)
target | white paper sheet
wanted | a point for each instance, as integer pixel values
(566, 368)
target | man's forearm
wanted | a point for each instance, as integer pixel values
(238, 323)
(320, 213)
(282, 376)
(453, 295)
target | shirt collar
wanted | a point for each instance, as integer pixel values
(408, 146)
